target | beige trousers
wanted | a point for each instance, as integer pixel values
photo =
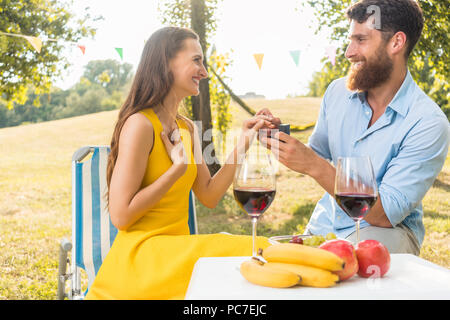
(397, 240)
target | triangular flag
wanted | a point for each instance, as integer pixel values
(295, 54)
(259, 59)
(331, 53)
(82, 48)
(120, 52)
(35, 42)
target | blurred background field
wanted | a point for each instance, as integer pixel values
(35, 196)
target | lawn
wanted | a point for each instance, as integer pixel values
(35, 196)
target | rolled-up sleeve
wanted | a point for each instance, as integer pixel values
(413, 170)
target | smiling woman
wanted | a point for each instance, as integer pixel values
(188, 69)
(151, 171)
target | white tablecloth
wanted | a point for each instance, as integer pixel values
(409, 277)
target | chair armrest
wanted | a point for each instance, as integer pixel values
(64, 247)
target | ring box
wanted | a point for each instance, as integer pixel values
(285, 127)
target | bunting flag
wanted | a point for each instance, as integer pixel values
(259, 59)
(295, 54)
(35, 42)
(82, 48)
(331, 53)
(120, 52)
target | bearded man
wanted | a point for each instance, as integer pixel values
(377, 111)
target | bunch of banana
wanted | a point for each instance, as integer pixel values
(312, 266)
(301, 254)
(256, 272)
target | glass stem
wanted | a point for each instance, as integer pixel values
(254, 221)
(357, 231)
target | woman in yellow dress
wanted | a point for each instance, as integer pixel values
(155, 161)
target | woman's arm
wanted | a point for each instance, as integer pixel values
(209, 190)
(127, 202)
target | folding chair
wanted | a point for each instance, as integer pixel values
(92, 230)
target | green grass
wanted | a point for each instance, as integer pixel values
(35, 196)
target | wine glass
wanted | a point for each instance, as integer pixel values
(355, 187)
(254, 186)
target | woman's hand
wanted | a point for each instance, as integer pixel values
(250, 128)
(175, 149)
(275, 121)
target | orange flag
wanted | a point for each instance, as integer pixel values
(259, 59)
(82, 48)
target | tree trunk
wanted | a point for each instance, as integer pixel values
(201, 104)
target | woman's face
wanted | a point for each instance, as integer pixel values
(188, 69)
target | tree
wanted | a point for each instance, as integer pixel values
(110, 73)
(199, 16)
(219, 98)
(428, 63)
(20, 65)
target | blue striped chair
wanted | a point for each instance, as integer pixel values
(92, 230)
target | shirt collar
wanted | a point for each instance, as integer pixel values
(400, 103)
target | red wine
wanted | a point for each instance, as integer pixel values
(254, 200)
(356, 205)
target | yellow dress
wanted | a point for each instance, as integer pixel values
(154, 258)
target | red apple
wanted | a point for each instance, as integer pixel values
(373, 258)
(344, 249)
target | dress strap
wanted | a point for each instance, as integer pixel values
(153, 118)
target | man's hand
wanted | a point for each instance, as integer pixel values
(291, 152)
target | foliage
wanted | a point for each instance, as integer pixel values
(322, 79)
(21, 66)
(110, 73)
(219, 97)
(90, 94)
(178, 13)
(428, 63)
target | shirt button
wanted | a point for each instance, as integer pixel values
(367, 112)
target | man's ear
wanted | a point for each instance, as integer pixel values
(398, 43)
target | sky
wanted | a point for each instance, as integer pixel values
(245, 27)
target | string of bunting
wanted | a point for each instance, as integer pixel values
(36, 43)
(330, 51)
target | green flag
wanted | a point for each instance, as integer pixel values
(295, 54)
(120, 52)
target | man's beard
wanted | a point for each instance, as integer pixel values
(372, 74)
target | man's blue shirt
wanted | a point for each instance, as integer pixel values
(407, 145)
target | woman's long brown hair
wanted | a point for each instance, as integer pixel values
(151, 83)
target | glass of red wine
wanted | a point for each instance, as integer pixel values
(254, 186)
(355, 187)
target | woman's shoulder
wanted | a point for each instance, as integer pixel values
(139, 121)
(137, 128)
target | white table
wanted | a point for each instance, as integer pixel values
(409, 277)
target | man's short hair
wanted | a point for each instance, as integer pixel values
(395, 16)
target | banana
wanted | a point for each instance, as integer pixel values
(301, 254)
(255, 272)
(311, 277)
